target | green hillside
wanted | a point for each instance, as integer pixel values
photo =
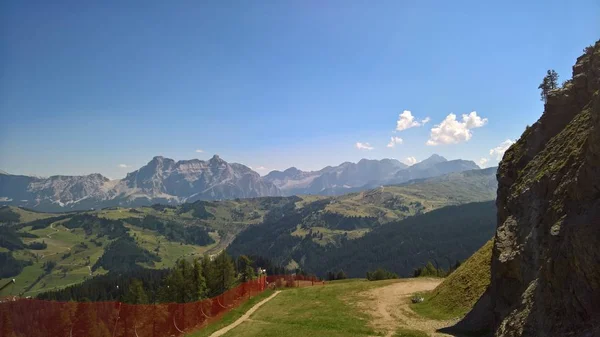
(442, 236)
(46, 251)
(396, 202)
(54, 251)
(460, 290)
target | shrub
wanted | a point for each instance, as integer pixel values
(381, 274)
(36, 245)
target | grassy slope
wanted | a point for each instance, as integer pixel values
(72, 259)
(458, 293)
(231, 316)
(228, 217)
(26, 215)
(312, 311)
(391, 203)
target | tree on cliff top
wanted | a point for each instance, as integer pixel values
(550, 82)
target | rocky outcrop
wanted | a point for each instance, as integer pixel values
(162, 180)
(190, 180)
(546, 257)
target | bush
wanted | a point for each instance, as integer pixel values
(48, 266)
(341, 275)
(381, 274)
(36, 245)
(429, 271)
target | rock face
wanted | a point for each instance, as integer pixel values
(191, 180)
(546, 257)
(162, 180)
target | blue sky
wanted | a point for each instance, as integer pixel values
(86, 87)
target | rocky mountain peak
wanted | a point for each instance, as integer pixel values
(435, 158)
(292, 171)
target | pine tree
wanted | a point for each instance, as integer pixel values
(199, 282)
(245, 268)
(550, 82)
(136, 294)
(208, 271)
(179, 284)
(224, 273)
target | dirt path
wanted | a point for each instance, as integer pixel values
(244, 317)
(389, 307)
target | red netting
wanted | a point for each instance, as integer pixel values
(38, 318)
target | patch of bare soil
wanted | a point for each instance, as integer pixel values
(390, 310)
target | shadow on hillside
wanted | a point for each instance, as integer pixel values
(453, 331)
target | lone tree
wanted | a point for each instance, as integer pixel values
(550, 82)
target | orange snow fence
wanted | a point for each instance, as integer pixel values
(39, 318)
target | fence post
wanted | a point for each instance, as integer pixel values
(117, 320)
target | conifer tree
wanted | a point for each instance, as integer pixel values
(136, 294)
(199, 282)
(550, 82)
(245, 268)
(224, 273)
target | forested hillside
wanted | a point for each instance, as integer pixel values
(442, 236)
(46, 251)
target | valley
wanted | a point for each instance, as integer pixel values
(300, 168)
(76, 246)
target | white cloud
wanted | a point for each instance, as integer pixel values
(451, 131)
(425, 121)
(410, 161)
(261, 168)
(406, 121)
(394, 141)
(200, 151)
(124, 166)
(482, 162)
(364, 146)
(499, 150)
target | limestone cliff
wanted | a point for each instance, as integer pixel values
(546, 257)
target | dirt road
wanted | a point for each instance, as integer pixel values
(389, 307)
(241, 320)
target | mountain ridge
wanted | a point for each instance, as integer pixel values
(164, 180)
(365, 174)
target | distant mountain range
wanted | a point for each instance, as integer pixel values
(366, 174)
(164, 180)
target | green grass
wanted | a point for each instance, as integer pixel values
(402, 332)
(27, 216)
(329, 310)
(63, 247)
(392, 203)
(168, 251)
(330, 236)
(458, 293)
(231, 316)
